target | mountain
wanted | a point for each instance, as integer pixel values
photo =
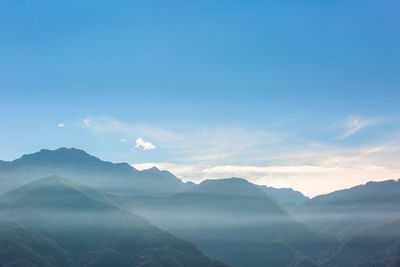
(285, 195)
(378, 245)
(348, 212)
(51, 223)
(235, 221)
(120, 178)
(20, 246)
(58, 222)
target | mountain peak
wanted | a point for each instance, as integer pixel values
(154, 168)
(55, 178)
(61, 154)
(53, 191)
(230, 186)
(284, 195)
(233, 181)
(119, 178)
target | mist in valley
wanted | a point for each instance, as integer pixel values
(225, 221)
(199, 133)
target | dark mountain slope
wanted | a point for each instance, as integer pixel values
(376, 244)
(87, 232)
(20, 246)
(118, 178)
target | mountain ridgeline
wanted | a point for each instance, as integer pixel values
(119, 178)
(348, 212)
(88, 212)
(235, 221)
(285, 195)
(51, 223)
(365, 218)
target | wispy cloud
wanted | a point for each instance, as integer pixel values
(104, 126)
(192, 143)
(140, 143)
(123, 140)
(264, 157)
(60, 125)
(354, 124)
(313, 171)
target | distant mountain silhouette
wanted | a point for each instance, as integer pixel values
(236, 221)
(51, 223)
(91, 221)
(285, 195)
(118, 178)
(345, 213)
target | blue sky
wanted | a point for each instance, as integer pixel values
(299, 94)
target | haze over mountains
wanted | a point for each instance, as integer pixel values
(350, 211)
(235, 221)
(68, 208)
(118, 178)
(285, 195)
(51, 223)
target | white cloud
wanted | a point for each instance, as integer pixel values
(123, 140)
(261, 156)
(192, 143)
(140, 143)
(61, 125)
(86, 122)
(320, 170)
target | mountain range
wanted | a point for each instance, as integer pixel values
(120, 178)
(348, 212)
(50, 222)
(115, 178)
(237, 222)
(88, 212)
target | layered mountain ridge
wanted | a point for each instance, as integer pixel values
(111, 177)
(107, 213)
(79, 231)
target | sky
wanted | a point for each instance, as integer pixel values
(301, 94)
